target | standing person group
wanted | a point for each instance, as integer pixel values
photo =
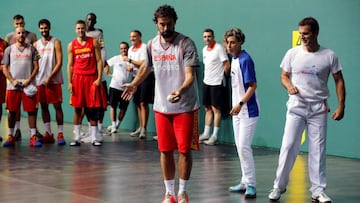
(165, 74)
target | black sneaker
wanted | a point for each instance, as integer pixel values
(17, 136)
(74, 143)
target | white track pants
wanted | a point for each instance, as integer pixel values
(244, 131)
(301, 115)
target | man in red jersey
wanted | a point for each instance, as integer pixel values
(84, 77)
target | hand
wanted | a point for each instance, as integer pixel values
(46, 82)
(25, 83)
(129, 68)
(174, 97)
(338, 114)
(292, 90)
(70, 89)
(97, 82)
(235, 110)
(129, 91)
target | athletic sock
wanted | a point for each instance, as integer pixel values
(17, 125)
(77, 132)
(60, 128)
(47, 127)
(206, 130)
(215, 132)
(182, 186)
(170, 186)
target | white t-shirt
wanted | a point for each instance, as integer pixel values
(213, 64)
(138, 54)
(120, 75)
(309, 71)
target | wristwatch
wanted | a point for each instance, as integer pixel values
(241, 103)
(130, 60)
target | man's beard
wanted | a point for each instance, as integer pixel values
(167, 34)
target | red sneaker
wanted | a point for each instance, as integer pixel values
(61, 139)
(34, 142)
(48, 138)
(10, 141)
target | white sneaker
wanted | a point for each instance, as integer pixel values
(155, 138)
(321, 198)
(275, 194)
(203, 137)
(103, 132)
(136, 133)
(85, 138)
(211, 140)
(109, 128)
(113, 130)
(96, 143)
(142, 135)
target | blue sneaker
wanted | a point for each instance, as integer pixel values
(250, 192)
(241, 188)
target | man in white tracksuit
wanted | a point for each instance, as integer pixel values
(305, 72)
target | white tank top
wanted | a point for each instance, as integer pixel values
(47, 62)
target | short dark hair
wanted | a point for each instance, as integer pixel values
(123, 42)
(137, 31)
(91, 14)
(312, 22)
(44, 21)
(165, 11)
(18, 16)
(209, 30)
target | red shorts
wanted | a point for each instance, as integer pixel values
(85, 93)
(175, 131)
(14, 99)
(2, 87)
(50, 94)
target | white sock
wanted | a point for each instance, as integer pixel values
(17, 125)
(215, 132)
(206, 130)
(32, 131)
(77, 132)
(99, 126)
(47, 127)
(60, 128)
(11, 131)
(170, 186)
(93, 132)
(142, 130)
(113, 124)
(182, 186)
(117, 123)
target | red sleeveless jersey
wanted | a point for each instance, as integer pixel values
(84, 57)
